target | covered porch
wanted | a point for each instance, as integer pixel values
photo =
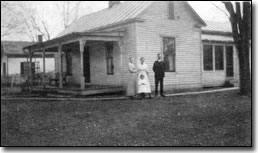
(83, 60)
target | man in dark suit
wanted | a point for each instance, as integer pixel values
(159, 70)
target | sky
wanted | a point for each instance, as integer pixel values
(48, 11)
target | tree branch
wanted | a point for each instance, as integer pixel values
(233, 20)
(221, 10)
(239, 18)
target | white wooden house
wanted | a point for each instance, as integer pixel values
(95, 49)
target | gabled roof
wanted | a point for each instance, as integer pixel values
(122, 13)
(14, 47)
(196, 15)
(125, 11)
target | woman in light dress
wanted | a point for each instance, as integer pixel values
(132, 82)
(143, 70)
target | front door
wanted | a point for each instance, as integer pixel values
(230, 61)
(86, 60)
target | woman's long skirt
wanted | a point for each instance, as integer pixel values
(132, 85)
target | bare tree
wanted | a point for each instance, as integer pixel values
(10, 19)
(68, 11)
(241, 28)
(20, 17)
(33, 23)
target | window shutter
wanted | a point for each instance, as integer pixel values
(171, 11)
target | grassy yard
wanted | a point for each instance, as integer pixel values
(217, 119)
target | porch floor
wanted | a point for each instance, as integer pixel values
(89, 90)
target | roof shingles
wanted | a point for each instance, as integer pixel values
(123, 12)
(14, 47)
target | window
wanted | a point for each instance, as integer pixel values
(171, 11)
(69, 62)
(110, 58)
(219, 58)
(207, 57)
(169, 51)
(25, 68)
(4, 69)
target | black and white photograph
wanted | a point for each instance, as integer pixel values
(126, 74)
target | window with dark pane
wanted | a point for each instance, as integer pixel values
(169, 51)
(219, 58)
(22, 68)
(25, 68)
(207, 58)
(33, 68)
(4, 69)
(110, 58)
(69, 62)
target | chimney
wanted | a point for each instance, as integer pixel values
(40, 38)
(113, 3)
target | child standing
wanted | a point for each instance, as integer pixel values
(142, 86)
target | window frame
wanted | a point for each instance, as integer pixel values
(223, 57)
(174, 39)
(24, 70)
(212, 57)
(4, 69)
(214, 54)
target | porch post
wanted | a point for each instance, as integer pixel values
(44, 68)
(60, 66)
(30, 71)
(121, 61)
(82, 45)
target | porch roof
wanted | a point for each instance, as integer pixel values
(76, 36)
(217, 38)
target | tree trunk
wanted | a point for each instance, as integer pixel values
(241, 30)
(244, 69)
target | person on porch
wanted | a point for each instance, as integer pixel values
(159, 70)
(132, 82)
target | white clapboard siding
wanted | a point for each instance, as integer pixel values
(98, 65)
(188, 42)
(128, 50)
